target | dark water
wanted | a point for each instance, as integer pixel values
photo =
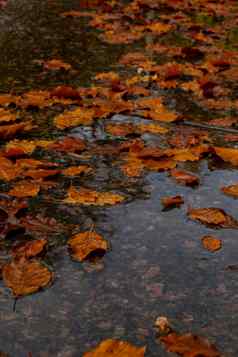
(156, 266)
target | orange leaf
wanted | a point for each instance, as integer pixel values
(83, 244)
(77, 170)
(56, 64)
(25, 189)
(29, 249)
(116, 348)
(210, 243)
(8, 171)
(227, 154)
(89, 197)
(231, 190)
(9, 131)
(25, 277)
(214, 217)
(170, 202)
(6, 116)
(79, 116)
(189, 345)
(184, 177)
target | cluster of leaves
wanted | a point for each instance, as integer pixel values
(188, 56)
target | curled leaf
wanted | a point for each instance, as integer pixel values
(83, 244)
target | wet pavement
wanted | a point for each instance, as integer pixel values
(156, 265)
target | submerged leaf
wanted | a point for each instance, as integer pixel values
(189, 345)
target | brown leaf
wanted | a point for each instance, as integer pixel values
(214, 217)
(227, 154)
(171, 202)
(83, 244)
(56, 64)
(189, 345)
(9, 131)
(65, 92)
(79, 116)
(25, 189)
(77, 170)
(211, 243)
(184, 177)
(40, 173)
(89, 197)
(29, 249)
(25, 277)
(68, 144)
(116, 348)
(231, 190)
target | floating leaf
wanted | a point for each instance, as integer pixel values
(231, 190)
(171, 202)
(116, 348)
(7, 116)
(184, 177)
(89, 197)
(25, 277)
(214, 217)
(56, 64)
(9, 131)
(211, 243)
(83, 244)
(189, 345)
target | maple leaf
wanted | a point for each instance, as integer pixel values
(116, 348)
(25, 277)
(214, 217)
(89, 197)
(189, 345)
(211, 243)
(83, 244)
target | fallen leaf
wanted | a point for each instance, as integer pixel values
(211, 243)
(25, 277)
(7, 116)
(171, 202)
(116, 348)
(83, 244)
(9, 131)
(77, 170)
(56, 64)
(227, 154)
(79, 116)
(8, 171)
(214, 217)
(159, 165)
(89, 197)
(68, 144)
(231, 190)
(25, 189)
(29, 249)
(40, 173)
(189, 345)
(184, 177)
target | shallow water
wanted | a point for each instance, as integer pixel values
(156, 265)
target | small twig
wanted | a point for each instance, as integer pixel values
(14, 305)
(210, 127)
